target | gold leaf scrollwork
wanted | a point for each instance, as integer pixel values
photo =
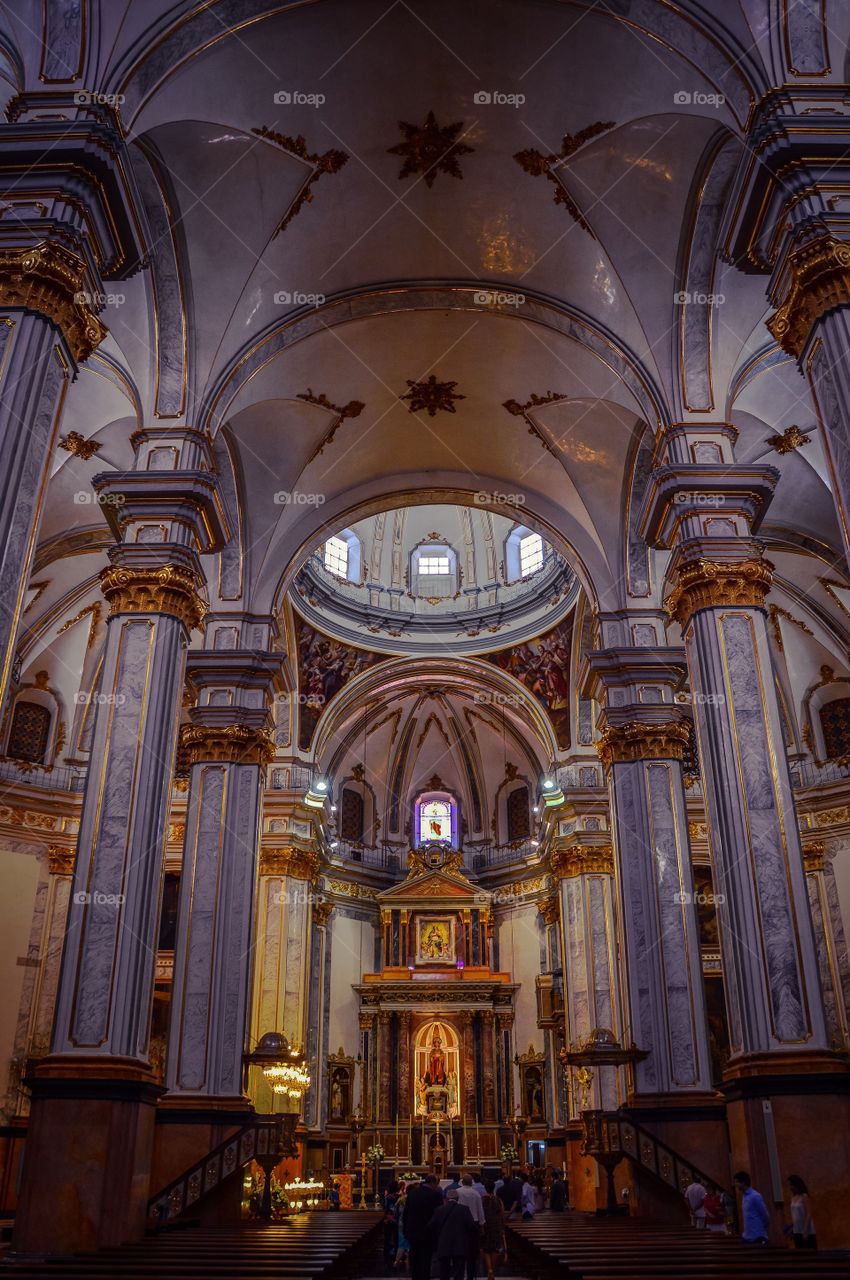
(229, 744)
(49, 280)
(168, 589)
(708, 584)
(627, 743)
(820, 281)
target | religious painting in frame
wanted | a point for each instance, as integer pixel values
(435, 940)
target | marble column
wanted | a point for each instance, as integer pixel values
(103, 1011)
(831, 942)
(60, 868)
(583, 866)
(287, 888)
(468, 1049)
(644, 737)
(488, 1064)
(315, 1107)
(404, 1051)
(368, 1030)
(785, 221)
(67, 227)
(504, 1060)
(385, 1031)
(227, 745)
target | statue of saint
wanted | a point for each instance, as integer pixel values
(421, 1096)
(451, 1084)
(437, 1060)
(336, 1098)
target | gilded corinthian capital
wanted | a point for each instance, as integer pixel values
(49, 280)
(627, 743)
(819, 281)
(228, 744)
(166, 589)
(301, 864)
(707, 584)
(578, 859)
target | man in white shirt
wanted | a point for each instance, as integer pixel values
(469, 1196)
(695, 1195)
(529, 1199)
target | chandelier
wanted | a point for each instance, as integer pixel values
(283, 1065)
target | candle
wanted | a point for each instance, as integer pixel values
(396, 1135)
(477, 1140)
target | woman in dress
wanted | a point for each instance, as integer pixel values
(493, 1232)
(802, 1224)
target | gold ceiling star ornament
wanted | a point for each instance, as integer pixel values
(430, 149)
(539, 165)
(74, 443)
(788, 441)
(326, 162)
(432, 396)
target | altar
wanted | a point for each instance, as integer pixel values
(436, 1019)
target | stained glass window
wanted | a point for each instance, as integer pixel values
(435, 820)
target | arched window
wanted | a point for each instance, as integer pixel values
(436, 818)
(30, 732)
(835, 727)
(351, 816)
(341, 555)
(433, 570)
(524, 554)
(519, 821)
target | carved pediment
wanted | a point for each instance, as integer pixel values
(434, 885)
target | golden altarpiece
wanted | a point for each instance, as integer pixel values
(435, 1021)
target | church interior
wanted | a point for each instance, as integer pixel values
(424, 623)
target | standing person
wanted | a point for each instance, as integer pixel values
(423, 1200)
(802, 1223)
(390, 1223)
(528, 1198)
(558, 1194)
(715, 1214)
(510, 1194)
(493, 1247)
(469, 1196)
(456, 1235)
(402, 1242)
(695, 1195)
(753, 1211)
(478, 1184)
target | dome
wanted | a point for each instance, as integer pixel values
(424, 579)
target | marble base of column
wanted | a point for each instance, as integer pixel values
(88, 1151)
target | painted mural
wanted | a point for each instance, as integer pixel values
(543, 666)
(324, 666)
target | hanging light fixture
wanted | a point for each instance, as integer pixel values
(283, 1065)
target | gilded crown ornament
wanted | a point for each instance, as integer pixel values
(708, 584)
(788, 441)
(78, 445)
(167, 589)
(430, 149)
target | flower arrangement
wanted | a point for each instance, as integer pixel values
(509, 1152)
(409, 1176)
(375, 1155)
